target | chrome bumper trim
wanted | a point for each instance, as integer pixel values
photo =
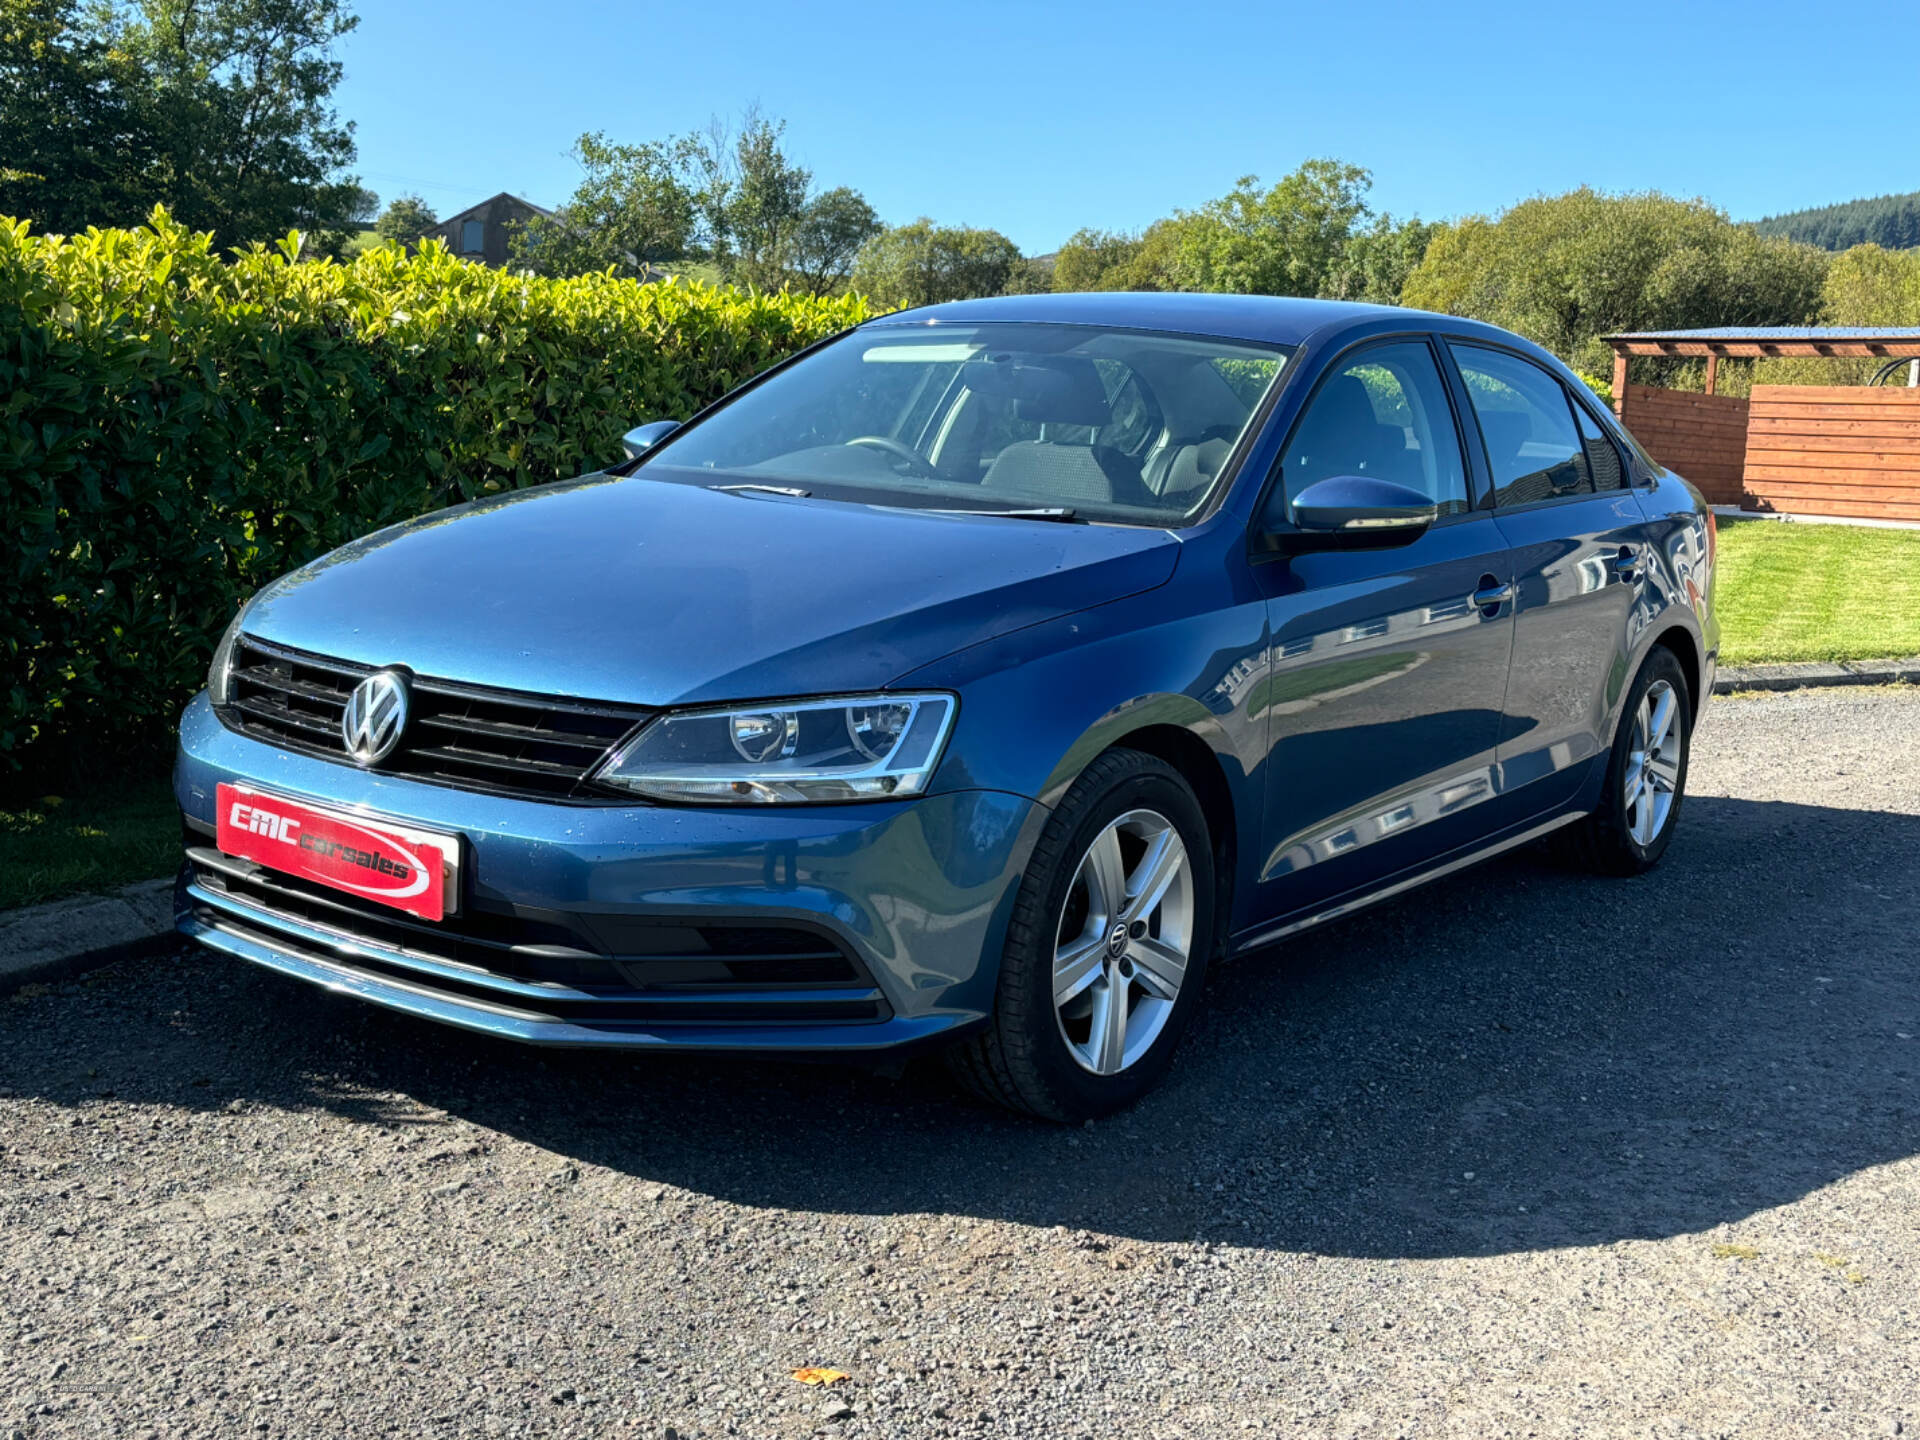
(350, 947)
(509, 1023)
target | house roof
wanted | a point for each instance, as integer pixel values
(503, 195)
(1758, 341)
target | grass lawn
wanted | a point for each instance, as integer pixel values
(1817, 592)
(88, 843)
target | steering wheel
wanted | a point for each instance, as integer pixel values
(899, 452)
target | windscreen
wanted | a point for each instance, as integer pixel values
(1129, 426)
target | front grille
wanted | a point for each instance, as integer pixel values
(587, 969)
(499, 741)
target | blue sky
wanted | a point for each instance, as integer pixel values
(1039, 118)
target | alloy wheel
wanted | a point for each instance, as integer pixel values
(1653, 764)
(1124, 940)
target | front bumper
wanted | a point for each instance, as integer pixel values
(912, 896)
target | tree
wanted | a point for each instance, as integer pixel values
(736, 200)
(755, 200)
(218, 109)
(1313, 233)
(765, 225)
(1566, 269)
(1450, 268)
(1116, 260)
(1095, 260)
(831, 229)
(405, 220)
(72, 153)
(925, 264)
(636, 207)
(1153, 267)
(237, 98)
(1868, 285)
(1030, 275)
(1890, 221)
(1287, 240)
(1374, 263)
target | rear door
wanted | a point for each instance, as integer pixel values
(1563, 501)
(1388, 667)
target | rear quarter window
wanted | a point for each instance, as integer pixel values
(1526, 419)
(1609, 471)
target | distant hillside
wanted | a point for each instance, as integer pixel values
(1889, 220)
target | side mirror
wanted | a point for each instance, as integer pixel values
(1358, 512)
(642, 438)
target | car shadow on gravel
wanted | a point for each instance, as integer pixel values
(1515, 1058)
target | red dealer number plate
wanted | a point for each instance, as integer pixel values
(404, 868)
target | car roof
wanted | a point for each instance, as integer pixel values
(1274, 319)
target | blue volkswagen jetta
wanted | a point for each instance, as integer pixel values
(976, 677)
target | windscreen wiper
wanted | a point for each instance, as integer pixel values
(794, 491)
(1049, 512)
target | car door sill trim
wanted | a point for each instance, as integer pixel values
(1387, 892)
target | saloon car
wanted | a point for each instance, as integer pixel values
(974, 680)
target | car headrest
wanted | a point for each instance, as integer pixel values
(1346, 404)
(1046, 390)
(1507, 433)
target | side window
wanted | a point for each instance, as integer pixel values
(1385, 414)
(472, 237)
(1603, 457)
(1526, 421)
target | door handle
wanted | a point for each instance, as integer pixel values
(1626, 564)
(1492, 594)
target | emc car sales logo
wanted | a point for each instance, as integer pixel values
(258, 820)
(327, 847)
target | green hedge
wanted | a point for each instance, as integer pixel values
(178, 427)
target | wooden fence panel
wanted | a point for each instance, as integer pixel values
(1834, 450)
(1704, 437)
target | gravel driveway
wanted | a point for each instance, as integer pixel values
(1526, 1154)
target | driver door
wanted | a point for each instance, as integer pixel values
(1389, 666)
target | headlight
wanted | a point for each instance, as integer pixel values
(220, 673)
(865, 747)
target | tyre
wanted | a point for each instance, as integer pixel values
(1646, 776)
(1106, 949)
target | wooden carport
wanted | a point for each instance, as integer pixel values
(1845, 450)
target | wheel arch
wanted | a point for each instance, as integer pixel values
(1686, 649)
(1182, 733)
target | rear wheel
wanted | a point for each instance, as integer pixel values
(1646, 776)
(1106, 948)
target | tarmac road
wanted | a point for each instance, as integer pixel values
(1527, 1153)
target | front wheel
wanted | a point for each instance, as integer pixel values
(1106, 948)
(1646, 776)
